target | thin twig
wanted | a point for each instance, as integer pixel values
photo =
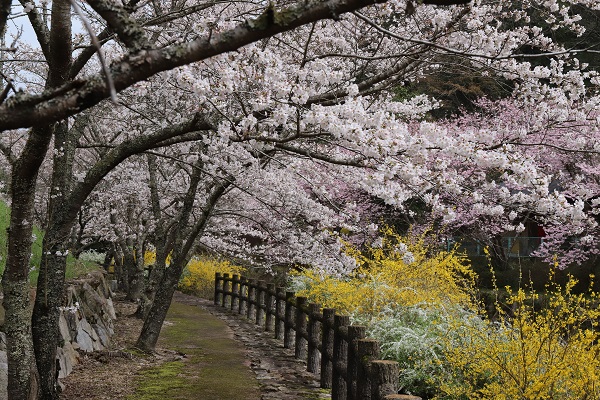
(7, 89)
(107, 76)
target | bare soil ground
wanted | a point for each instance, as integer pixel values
(101, 376)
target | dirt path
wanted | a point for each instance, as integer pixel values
(204, 353)
(281, 376)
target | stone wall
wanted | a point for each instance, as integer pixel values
(86, 324)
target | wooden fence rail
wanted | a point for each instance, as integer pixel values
(347, 362)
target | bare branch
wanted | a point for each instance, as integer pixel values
(218, 190)
(33, 110)
(39, 27)
(7, 89)
(357, 162)
(175, 14)
(107, 76)
(126, 149)
(119, 20)
(88, 52)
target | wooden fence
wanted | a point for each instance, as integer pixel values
(348, 363)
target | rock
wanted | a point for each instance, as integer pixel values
(3, 375)
(84, 341)
(70, 353)
(64, 364)
(102, 333)
(91, 333)
(111, 309)
(85, 324)
(72, 319)
(63, 326)
(67, 359)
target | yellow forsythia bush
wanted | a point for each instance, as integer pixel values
(421, 305)
(149, 257)
(403, 290)
(400, 271)
(199, 275)
(546, 353)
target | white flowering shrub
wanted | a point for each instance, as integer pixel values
(417, 338)
(92, 256)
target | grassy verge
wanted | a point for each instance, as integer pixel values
(213, 368)
(75, 267)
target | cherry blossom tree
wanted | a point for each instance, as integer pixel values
(536, 165)
(66, 93)
(244, 81)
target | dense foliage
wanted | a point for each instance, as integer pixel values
(447, 345)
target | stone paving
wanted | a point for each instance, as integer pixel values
(280, 375)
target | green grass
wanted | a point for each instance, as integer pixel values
(36, 248)
(75, 267)
(160, 381)
(213, 368)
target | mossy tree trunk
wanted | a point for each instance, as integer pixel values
(157, 271)
(22, 374)
(67, 199)
(51, 278)
(179, 243)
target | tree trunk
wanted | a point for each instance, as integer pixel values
(183, 241)
(137, 283)
(120, 270)
(158, 311)
(155, 276)
(46, 316)
(22, 373)
(22, 376)
(108, 258)
(51, 279)
(130, 265)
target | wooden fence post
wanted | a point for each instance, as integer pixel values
(218, 280)
(242, 294)
(288, 334)
(225, 287)
(280, 313)
(301, 331)
(269, 307)
(260, 303)
(328, 333)
(384, 378)
(339, 388)
(235, 292)
(368, 350)
(349, 363)
(354, 334)
(312, 360)
(251, 306)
